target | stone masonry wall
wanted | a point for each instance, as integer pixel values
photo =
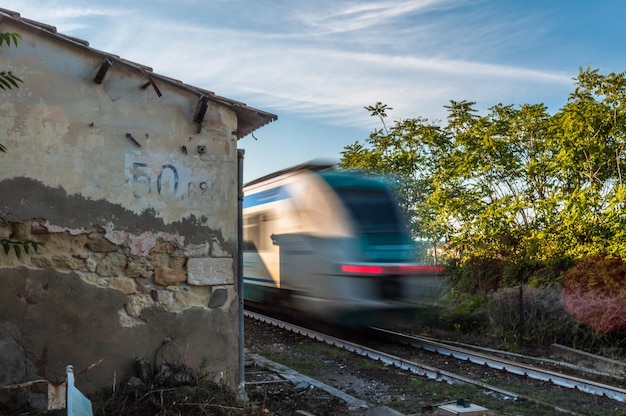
(169, 275)
(135, 294)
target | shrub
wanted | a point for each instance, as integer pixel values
(463, 313)
(595, 289)
(530, 315)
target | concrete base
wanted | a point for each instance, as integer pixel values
(468, 410)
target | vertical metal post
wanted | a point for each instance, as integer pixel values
(522, 328)
(242, 370)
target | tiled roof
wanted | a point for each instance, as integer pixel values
(248, 119)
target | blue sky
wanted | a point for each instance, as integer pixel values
(318, 63)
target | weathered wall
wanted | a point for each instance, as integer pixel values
(137, 210)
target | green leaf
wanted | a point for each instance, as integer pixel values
(18, 250)
(16, 37)
(7, 37)
(13, 80)
(4, 84)
(8, 80)
(6, 246)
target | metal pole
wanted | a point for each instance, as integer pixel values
(242, 369)
(522, 328)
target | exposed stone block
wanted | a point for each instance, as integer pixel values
(55, 243)
(128, 321)
(166, 276)
(210, 271)
(59, 262)
(168, 270)
(161, 246)
(91, 262)
(123, 284)
(136, 304)
(139, 267)
(197, 251)
(187, 297)
(113, 264)
(5, 229)
(218, 298)
(101, 245)
(21, 231)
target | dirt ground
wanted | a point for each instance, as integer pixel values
(372, 382)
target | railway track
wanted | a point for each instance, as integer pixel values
(486, 360)
(513, 367)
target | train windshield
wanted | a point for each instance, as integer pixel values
(373, 210)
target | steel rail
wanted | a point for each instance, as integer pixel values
(530, 371)
(401, 363)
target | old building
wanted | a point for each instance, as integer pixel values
(129, 180)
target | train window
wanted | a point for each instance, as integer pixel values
(268, 225)
(250, 233)
(257, 230)
(373, 210)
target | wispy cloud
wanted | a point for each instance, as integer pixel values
(343, 17)
(62, 15)
(318, 64)
(326, 59)
(274, 71)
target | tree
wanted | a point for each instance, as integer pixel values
(402, 154)
(9, 81)
(516, 185)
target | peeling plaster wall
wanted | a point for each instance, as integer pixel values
(139, 227)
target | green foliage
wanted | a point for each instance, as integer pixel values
(530, 315)
(596, 273)
(19, 246)
(544, 320)
(517, 194)
(7, 79)
(464, 313)
(7, 37)
(484, 275)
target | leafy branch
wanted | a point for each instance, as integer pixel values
(8, 80)
(7, 37)
(18, 246)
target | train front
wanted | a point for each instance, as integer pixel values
(359, 266)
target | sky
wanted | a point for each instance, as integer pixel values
(317, 64)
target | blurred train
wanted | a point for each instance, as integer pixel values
(330, 245)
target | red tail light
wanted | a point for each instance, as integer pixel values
(361, 269)
(395, 269)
